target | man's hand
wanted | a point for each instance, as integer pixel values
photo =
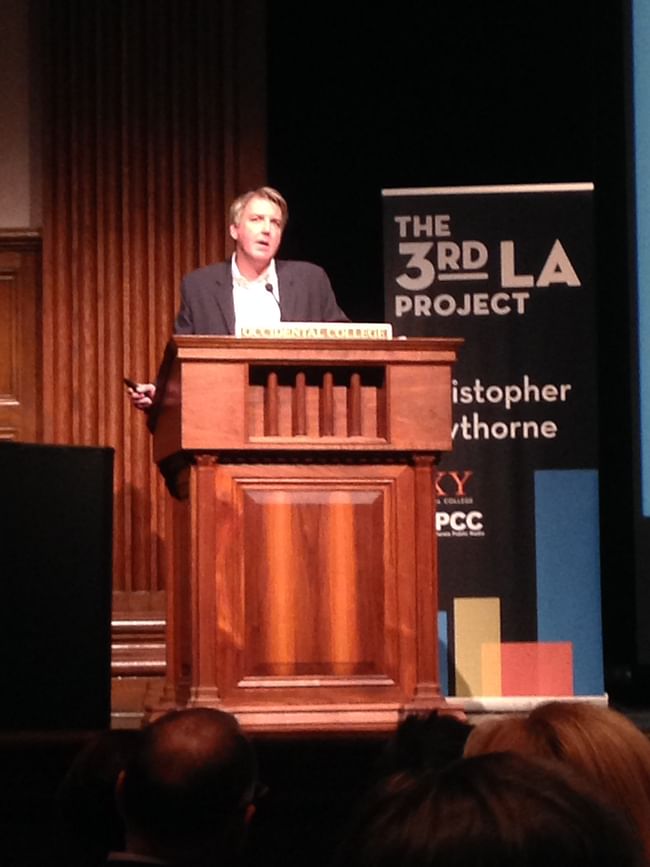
(142, 395)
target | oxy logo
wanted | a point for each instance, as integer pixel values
(452, 483)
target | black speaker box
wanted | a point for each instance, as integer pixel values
(56, 507)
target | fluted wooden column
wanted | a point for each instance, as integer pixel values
(155, 114)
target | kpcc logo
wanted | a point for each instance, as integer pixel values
(460, 523)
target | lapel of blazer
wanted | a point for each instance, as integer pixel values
(287, 291)
(223, 293)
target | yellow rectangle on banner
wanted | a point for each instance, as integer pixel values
(477, 622)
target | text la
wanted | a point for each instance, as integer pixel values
(464, 262)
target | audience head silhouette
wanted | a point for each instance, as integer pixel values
(187, 793)
(90, 823)
(424, 743)
(601, 745)
(497, 810)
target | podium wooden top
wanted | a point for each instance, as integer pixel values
(231, 394)
(259, 349)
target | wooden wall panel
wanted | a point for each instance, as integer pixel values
(155, 115)
(20, 335)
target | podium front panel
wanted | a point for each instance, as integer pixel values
(308, 580)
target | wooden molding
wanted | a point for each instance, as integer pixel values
(21, 240)
(138, 647)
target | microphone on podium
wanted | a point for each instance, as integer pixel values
(269, 289)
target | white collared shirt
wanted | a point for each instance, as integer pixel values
(255, 305)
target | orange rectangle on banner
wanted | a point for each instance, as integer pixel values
(491, 669)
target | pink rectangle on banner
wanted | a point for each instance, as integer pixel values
(535, 668)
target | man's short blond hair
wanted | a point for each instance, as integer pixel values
(237, 207)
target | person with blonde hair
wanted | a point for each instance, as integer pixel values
(599, 744)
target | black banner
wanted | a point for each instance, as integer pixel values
(509, 269)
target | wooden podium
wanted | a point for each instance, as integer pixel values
(304, 593)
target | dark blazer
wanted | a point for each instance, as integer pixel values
(207, 304)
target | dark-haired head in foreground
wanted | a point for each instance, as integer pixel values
(497, 810)
(187, 794)
(424, 743)
(90, 823)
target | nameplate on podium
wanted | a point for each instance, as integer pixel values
(319, 331)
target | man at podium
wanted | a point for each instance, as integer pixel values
(253, 288)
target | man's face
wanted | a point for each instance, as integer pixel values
(259, 232)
